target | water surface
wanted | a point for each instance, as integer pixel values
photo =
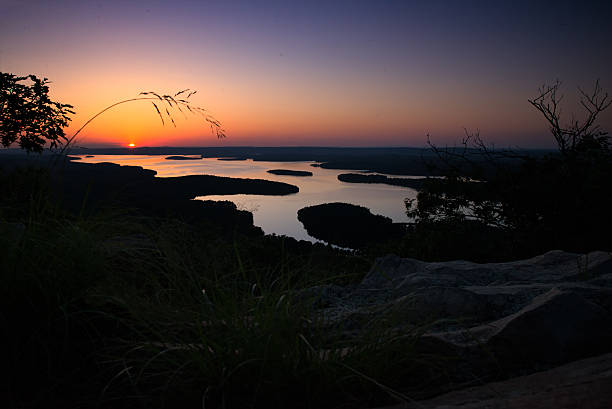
(278, 214)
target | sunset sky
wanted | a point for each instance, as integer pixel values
(336, 73)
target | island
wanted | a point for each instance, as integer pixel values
(109, 185)
(181, 157)
(369, 178)
(232, 158)
(348, 225)
(287, 172)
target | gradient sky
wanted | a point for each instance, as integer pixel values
(340, 73)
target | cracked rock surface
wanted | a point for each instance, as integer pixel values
(517, 317)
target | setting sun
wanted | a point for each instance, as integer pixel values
(403, 199)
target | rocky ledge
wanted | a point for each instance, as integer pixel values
(495, 320)
(584, 384)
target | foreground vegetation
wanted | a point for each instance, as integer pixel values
(493, 205)
(116, 306)
(116, 309)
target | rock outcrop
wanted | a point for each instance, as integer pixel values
(509, 318)
(585, 384)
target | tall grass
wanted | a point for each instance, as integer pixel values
(164, 105)
(112, 309)
(241, 337)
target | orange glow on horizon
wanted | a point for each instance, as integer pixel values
(303, 75)
(131, 145)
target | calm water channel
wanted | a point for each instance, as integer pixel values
(278, 214)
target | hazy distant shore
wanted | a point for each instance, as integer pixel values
(400, 161)
(394, 161)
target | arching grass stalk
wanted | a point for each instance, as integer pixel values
(167, 103)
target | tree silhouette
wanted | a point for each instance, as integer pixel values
(28, 116)
(577, 135)
(493, 203)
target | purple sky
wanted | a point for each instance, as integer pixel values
(313, 73)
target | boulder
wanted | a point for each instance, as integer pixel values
(499, 319)
(392, 272)
(555, 327)
(431, 303)
(585, 384)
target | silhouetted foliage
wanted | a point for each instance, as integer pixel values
(577, 135)
(67, 258)
(28, 116)
(493, 204)
(168, 103)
